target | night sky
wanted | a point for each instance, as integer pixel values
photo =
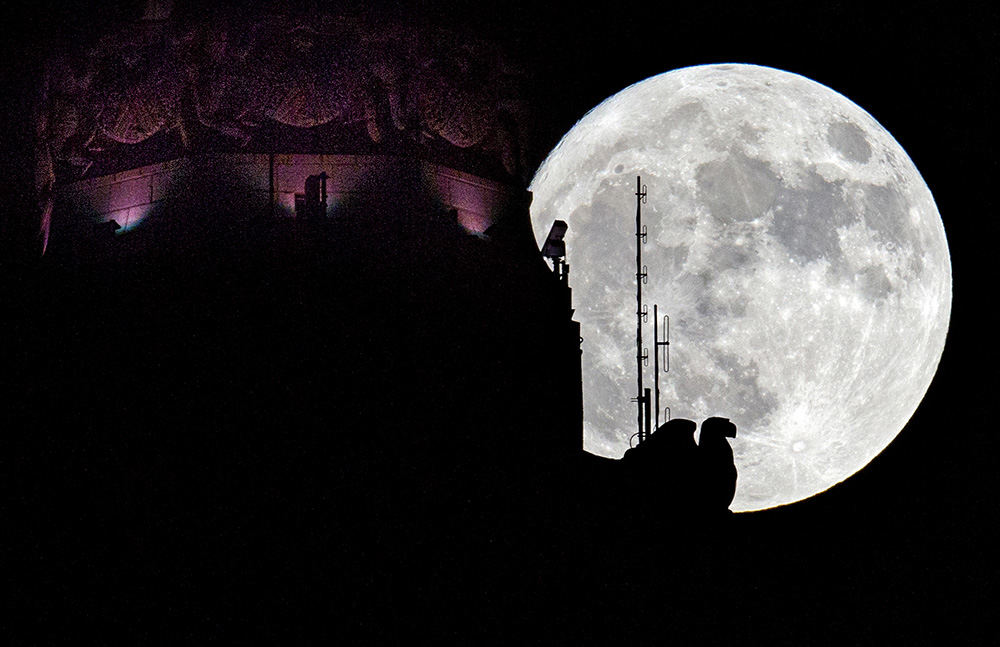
(913, 534)
(928, 73)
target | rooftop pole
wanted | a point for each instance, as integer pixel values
(641, 313)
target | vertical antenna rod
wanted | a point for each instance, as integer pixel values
(640, 278)
(656, 365)
(657, 345)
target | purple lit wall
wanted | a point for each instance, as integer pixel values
(127, 197)
(131, 197)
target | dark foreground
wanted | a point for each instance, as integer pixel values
(275, 439)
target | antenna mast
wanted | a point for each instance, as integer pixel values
(657, 345)
(642, 398)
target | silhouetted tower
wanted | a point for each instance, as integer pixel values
(566, 354)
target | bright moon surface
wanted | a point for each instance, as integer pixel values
(797, 250)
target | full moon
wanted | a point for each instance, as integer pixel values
(794, 245)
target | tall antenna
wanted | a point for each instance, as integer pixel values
(657, 345)
(644, 401)
(641, 314)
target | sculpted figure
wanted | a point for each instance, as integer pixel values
(137, 85)
(678, 475)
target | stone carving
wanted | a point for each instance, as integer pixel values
(231, 73)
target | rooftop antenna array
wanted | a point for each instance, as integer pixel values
(643, 399)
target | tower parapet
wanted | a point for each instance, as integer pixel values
(240, 188)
